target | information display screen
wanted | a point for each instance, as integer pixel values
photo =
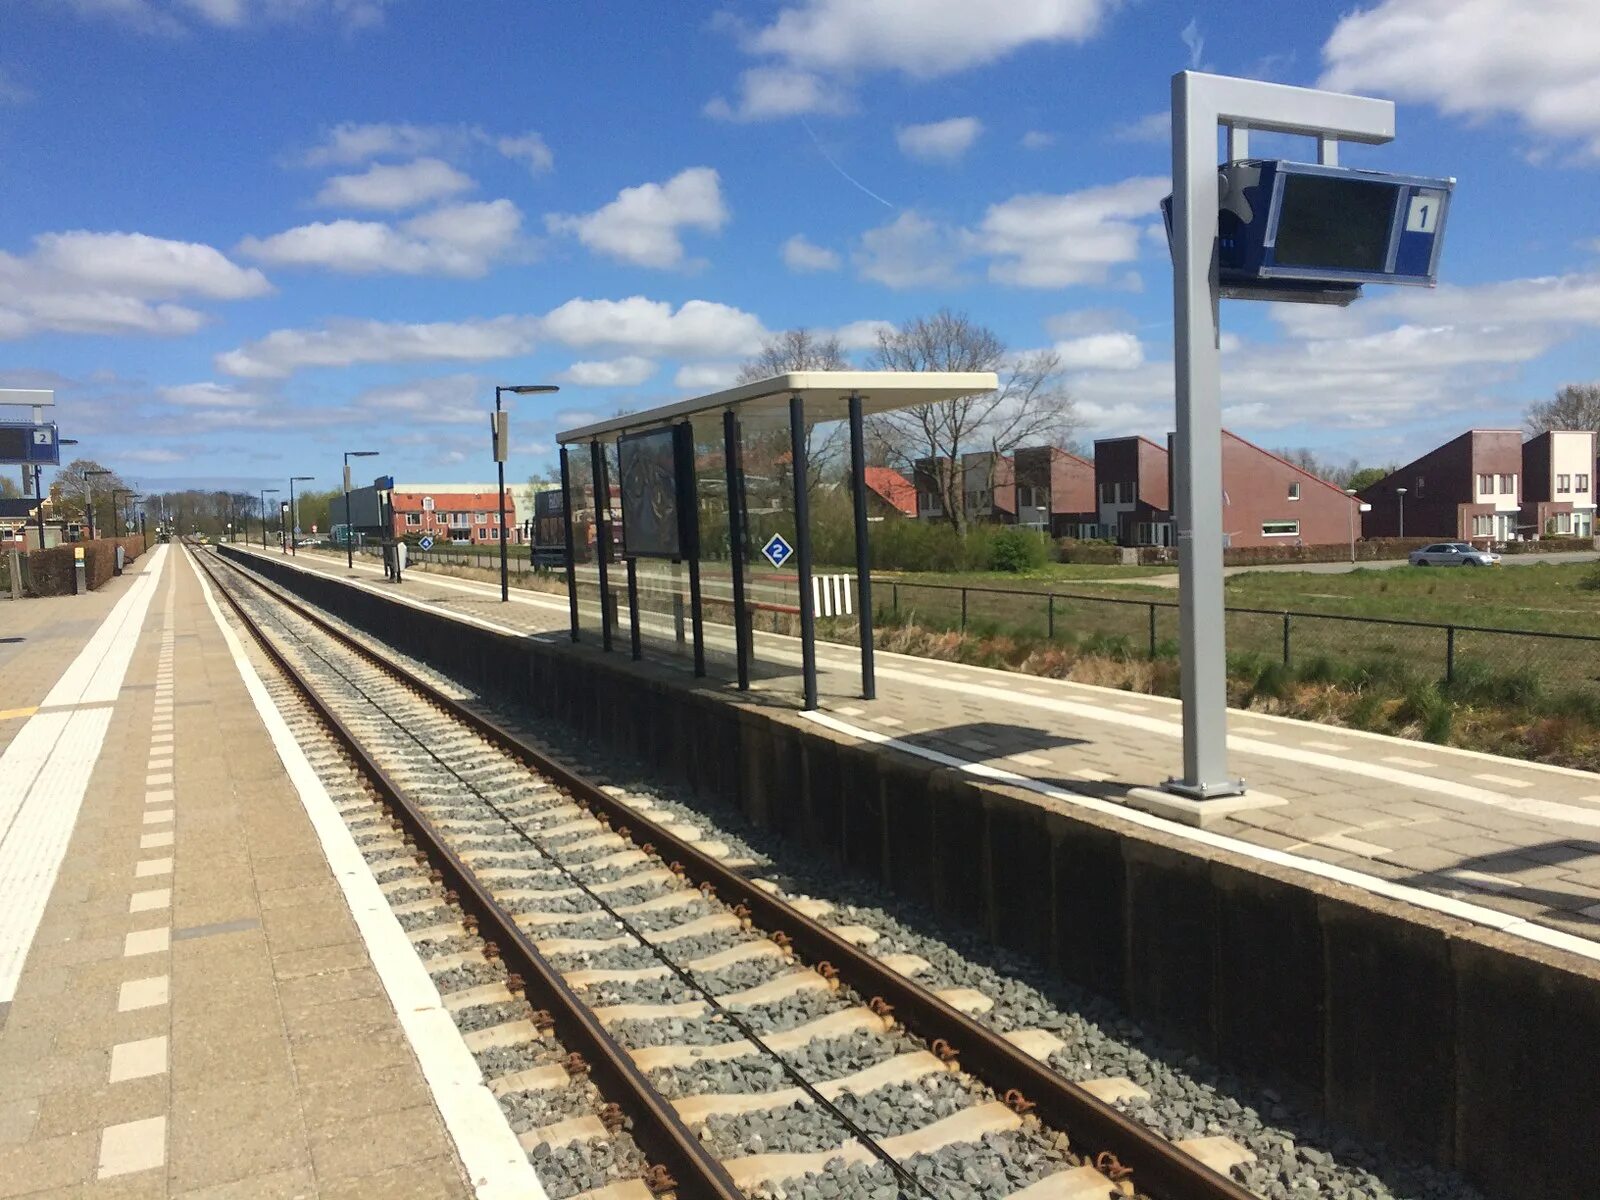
(1334, 223)
(14, 441)
(649, 470)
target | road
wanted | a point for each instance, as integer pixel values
(1344, 568)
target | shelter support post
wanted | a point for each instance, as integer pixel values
(571, 555)
(633, 608)
(733, 465)
(802, 547)
(689, 491)
(602, 535)
(858, 486)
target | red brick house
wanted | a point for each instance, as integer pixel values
(889, 493)
(456, 512)
(1558, 497)
(1470, 487)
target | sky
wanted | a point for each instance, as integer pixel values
(240, 236)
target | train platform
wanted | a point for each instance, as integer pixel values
(202, 991)
(1504, 843)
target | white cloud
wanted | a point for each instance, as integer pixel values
(634, 326)
(1101, 352)
(910, 251)
(698, 329)
(862, 335)
(939, 141)
(111, 283)
(799, 254)
(1084, 321)
(208, 395)
(705, 377)
(445, 400)
(345, 342)
(1060, 240)
(627, 371)
(529, 148)
(352, 143)
(642, 225)
(1537, 62)
(461, 240)
(171, 17)
(1152, 127)
(922, 38)
(386, 187)
(1037, 139)
(769, 92)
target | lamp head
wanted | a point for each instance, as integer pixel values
(528, 389)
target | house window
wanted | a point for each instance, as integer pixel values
(1125, 492)
(1563, 483)
(483, 518)
(427, 503)
(1563, 522)
(1582, 484)
(1294, 491)
(1508, 485)
(1485, 485)
(494, 535)
(928, 502)
(1030, 497)
(1108, 493)
(1280, 528)
(1583, 524)
(1481, 526)
(413, 518)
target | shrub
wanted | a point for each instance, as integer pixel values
(1012, 549)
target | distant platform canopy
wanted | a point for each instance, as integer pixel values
(827, 397)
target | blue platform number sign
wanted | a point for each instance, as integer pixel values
(777, 551)
(426, 543)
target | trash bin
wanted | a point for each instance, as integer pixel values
(118, 568)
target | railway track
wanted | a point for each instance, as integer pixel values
(653, 1020)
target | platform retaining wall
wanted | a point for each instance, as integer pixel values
(1471, 1048)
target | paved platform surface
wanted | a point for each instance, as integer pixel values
(1502, 841)
(197, 1015)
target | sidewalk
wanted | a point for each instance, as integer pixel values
(1504, 842)
(197, 1014)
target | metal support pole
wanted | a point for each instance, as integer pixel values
(963, 610)
(1050, 617)
(602, 537)
(1201, 102)
(38, 501)
(1450, 654)
(566, 522)
(88, 504)
(689, 491)
(1152, 631)
(802, 547)
(733, 468)
(858, 483)
(1286, 620)
(349, 534)
(633, 608)
(505, 568)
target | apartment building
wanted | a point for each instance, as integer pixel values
(1131, 502)
(1558, 498)
(1052, 487)
(1470, 487)
(987, 486)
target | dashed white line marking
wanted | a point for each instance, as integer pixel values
(133, 1146)
(158, 816)
(158, 779)
(1350, 845)
(159, 796)
(152, 866)
(138, 1060)
(1029, 760)
(146, 941)
(143, 993)
(149, 901)
(891, 722)
(1400, 760)
(1335, 747)
(1091, 774)
(848, 712)
(152, 840)
(1504, 781)
(1493, 883)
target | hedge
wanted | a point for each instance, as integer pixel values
(51, 572)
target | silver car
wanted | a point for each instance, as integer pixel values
(1453, 554)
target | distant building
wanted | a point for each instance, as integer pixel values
(889, 493)
(1042, 487)
(1558, 484)
(1131, 496)
(1470, 487)
(466, 513)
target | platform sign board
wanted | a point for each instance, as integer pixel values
(1318, 232)
(29, 444)
(652, 525)
(777, 551)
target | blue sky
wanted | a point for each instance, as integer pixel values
(239, 236)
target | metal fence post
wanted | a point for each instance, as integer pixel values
(1152, 631)
(1449, 653)
(1286, 639)
(1050, 617)
(896, 588)
(963, 610)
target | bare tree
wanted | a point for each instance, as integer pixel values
(802, 350)
(1307, 460)
(1031, 405)
(1576, 406)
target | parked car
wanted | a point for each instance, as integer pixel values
(314, 540)
(1453, 554)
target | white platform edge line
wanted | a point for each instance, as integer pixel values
(1465, 910)
(494, 1160)
(44, 802)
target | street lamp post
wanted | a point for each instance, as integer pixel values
(1351, 517)
(1401, 492)
(88, 500)
(265, 492)
(116, 508)
(349, 536)
(500, 428)
(294, 513)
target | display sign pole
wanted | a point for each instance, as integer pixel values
(1200, 103)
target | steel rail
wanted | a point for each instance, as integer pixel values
(661, 1134)
(1160, 1170)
